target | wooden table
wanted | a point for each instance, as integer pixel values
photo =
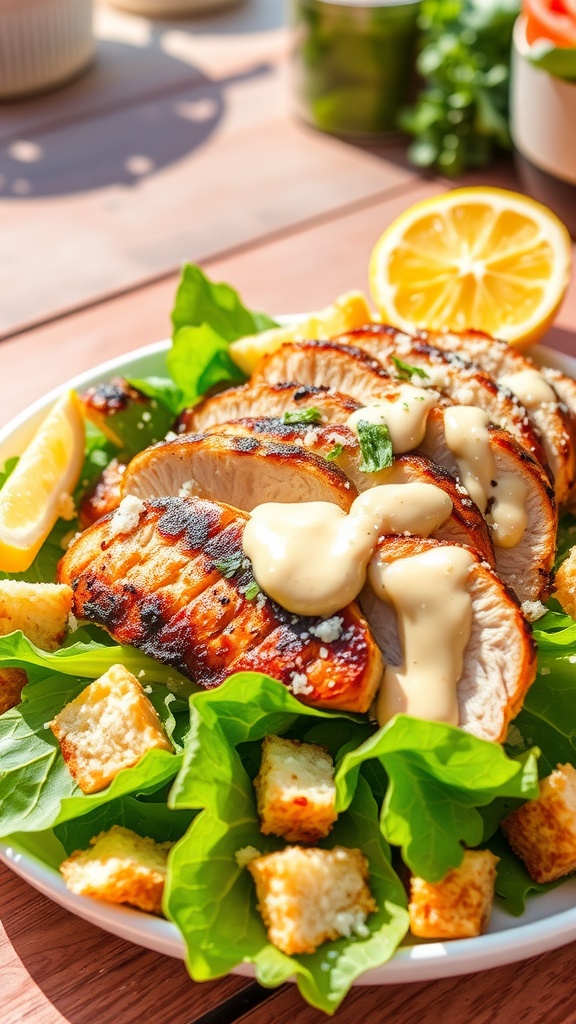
(181, 144)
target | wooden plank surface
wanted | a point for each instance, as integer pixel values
(56, 968)
(303, 268)
(215, 158)
(539, 991)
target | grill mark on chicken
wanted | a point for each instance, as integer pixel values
(263, 400)
(175, 604)
(240, 470)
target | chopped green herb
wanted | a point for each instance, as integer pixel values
(252, 591)
(335, 452)
(405, 372)
(311, 415)
(375, 446)
(230, 564)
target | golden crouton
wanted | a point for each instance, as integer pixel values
(120, 867)
(41, 611)
(459, 906)
(295, 790)
(308, 896)
(543, 831)
(108, 727)
(565, 584)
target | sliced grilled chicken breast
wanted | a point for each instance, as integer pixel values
(526, 567)
(169, 577)
(500, 655)
(264, 400)
(104, 495)
(344, 368)
(240, 471)
(554, 416)
(455, 378)
(466, 524)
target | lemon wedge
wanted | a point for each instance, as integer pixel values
(38, 489)
(346, 313)
(482, 258)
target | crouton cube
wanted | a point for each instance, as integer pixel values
(119, 867)
(108, 727)
(295, 790)
(308, 896)
(459, 906)
(543, 831)
(565, 583)
(41, 611)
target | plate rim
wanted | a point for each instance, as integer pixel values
(411, 963)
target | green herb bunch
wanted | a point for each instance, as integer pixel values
(460, 117)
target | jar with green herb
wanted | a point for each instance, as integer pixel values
(353, 63)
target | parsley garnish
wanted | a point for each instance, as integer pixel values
(252, 591)
(311, 415)
(375, 446)
(230, 564)
(405, 372)
(335, 452)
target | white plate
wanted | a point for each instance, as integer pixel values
(549, 922)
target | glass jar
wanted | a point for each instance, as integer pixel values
(353, 63)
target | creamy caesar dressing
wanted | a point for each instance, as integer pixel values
(508, 515)
(312, 557)
(405, 414)
(501, 498)
(434, 614)
(466, 433)
(530, 388)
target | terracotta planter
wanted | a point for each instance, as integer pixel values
(543, 129)
(42, 43)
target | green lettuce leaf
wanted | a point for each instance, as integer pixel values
(438, 777)
(548, 717)
(89, 659)
(36, 789)
(513, 883)
(206, 317)
(147, 816)
(206, 889)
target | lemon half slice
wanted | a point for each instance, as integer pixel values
(35, 493)
(482, 258)
(346, 313)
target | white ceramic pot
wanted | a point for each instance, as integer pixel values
(171, 8)
(42, 43)
(543, 129)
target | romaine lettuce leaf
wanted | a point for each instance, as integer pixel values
(36, 789)
(513, 883)
(548, 717)
(89, 659)
(206, 317)
(149, 817)
(206, 889)
(438, 776)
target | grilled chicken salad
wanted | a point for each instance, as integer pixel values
(299, 655)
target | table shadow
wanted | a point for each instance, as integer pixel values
(96, 137)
